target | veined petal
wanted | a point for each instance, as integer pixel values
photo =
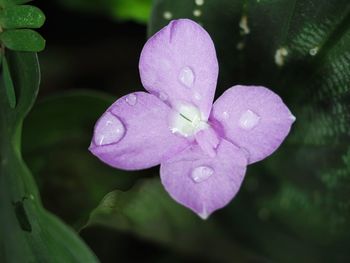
(179, 64)
(134, 133)
(203, 183)
(254, 118)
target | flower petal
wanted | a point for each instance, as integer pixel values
(254, 118)
(179, 64)
(208, 140)
(134, 133)
(203, 183)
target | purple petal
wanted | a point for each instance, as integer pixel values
(254, 118)
(203, 183)
(179, 64)
(134, 133)
(207, 140)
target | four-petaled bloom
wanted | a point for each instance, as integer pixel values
(202, 148)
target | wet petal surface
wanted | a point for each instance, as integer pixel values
(203, 183)
(134, 133)
(253, 117)
(179, 64)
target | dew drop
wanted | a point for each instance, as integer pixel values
(131, 99)
(313, 51)
(109, 129)
(199, 2)
(197, 13)
(225, 115)
(243, 24)
(280, 56)
(197, 96)
(249, 120)
(167, 15)
(201, 173)
(186, 77)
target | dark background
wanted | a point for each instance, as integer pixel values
(294, 204)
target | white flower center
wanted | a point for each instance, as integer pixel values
(186, 120)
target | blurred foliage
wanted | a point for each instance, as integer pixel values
(28, 232)
(148, 211)
(136, 10)
(8, 83)
(292, 207)
(300, 49)
(56, 137)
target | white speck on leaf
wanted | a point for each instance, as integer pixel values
(280, 55)
(313, 51)
(199, 2)
(167, 15)
(197, 12)
(243, 24)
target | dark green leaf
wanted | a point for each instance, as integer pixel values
(301, 50)
(79, 177)
(8, 83)
(8, 3)
(148, 211)
(31, 233)
(25, 97)
(20, 2)
(21, 17)
(22, 40)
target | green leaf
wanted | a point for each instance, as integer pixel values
(8, 83)
(8, 3)
(22, 40)
(147, 211)
(65, 136)
(301, 50)
(32, 234)
(25, 16)
(137, 10)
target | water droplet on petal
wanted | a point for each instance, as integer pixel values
(225, 115)
(186, 77)
(201, 173)
(197, 96)
(249, 120)
(109, 129)
(163, 96)
(131, 99)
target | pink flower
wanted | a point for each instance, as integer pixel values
(202, 148)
